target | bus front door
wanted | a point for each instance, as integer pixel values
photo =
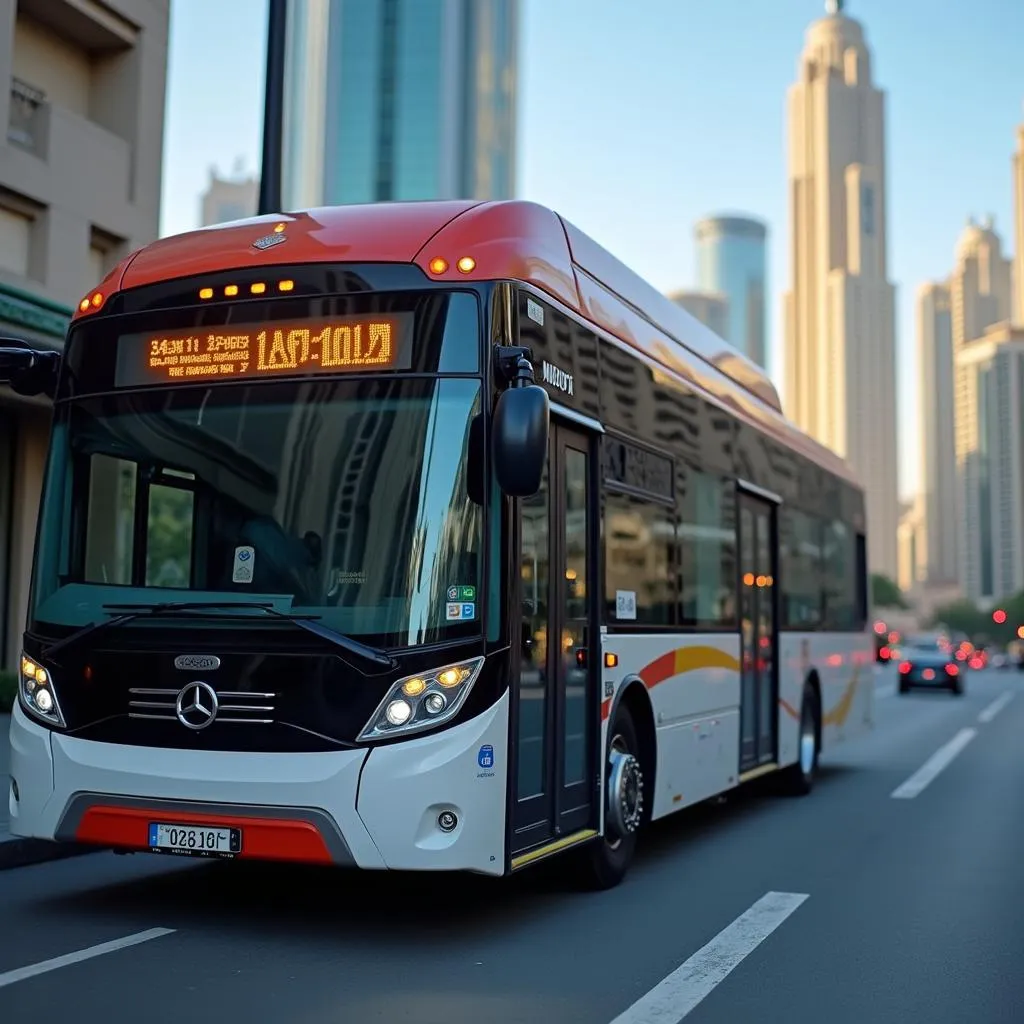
(554, 786)
(758, 633)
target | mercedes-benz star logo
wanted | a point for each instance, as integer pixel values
(196, 706)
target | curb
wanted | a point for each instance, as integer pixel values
(20, 853)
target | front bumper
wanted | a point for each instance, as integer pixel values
(374, 808)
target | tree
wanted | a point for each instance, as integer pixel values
(961, 617)
(885, 593)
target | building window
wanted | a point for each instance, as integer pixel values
(867, 209)
(15, 241)
(639, 540)
(707, 552)
(800, 556)
(97, 267)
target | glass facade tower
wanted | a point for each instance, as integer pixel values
(398, 100)
(731, 261)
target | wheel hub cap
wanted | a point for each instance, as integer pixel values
(625, 793)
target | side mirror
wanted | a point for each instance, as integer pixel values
(27, 370)
(519, 443)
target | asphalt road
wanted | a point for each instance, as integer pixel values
(884, 909)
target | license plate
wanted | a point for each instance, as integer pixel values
(195, 840)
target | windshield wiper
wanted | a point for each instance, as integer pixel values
(129, 612)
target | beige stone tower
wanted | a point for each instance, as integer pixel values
(840, 381)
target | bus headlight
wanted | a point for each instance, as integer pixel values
(423, 701)
(36, 693)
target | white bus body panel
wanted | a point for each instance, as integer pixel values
(693, 683)
(383, 802)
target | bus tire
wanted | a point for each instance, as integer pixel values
(607, 859)
(798, 779)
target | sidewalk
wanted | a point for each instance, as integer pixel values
(16, 852)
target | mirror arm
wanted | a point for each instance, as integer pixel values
(514, 366)
(30, 371)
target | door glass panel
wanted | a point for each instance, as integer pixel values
(533, 678)
(748, 611)
(765, 632)
(574, 631)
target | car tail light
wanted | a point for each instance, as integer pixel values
(905, 667)
(952, 670)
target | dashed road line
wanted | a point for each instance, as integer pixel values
(690, 983)
(32, 970)
(934, 766)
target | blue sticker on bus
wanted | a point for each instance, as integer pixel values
(485, 758)
(468, 611)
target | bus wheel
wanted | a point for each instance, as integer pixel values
(798, 779)
(608, 858)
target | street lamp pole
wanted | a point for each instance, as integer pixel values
(273, 109)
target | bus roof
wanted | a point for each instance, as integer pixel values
(506, 240)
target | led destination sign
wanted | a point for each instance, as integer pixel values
(339, 345)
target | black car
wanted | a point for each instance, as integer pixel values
(930, 664)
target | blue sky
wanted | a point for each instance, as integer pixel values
(636, 120)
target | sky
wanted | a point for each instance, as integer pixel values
(635, 122)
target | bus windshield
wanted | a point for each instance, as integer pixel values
(348, 500)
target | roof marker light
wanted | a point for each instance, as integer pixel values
(231, 289)
(258, 288)
(285, 286)
(466, 265)
(83, 305)
(97, 300)
(206, 293)
(438, 265)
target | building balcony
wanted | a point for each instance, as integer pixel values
(27, 120)
(57, 152)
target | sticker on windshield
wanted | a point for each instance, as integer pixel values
(456, 611)
(245, 559)
(461, 593)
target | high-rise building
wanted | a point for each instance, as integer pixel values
(227, 199)
(937, 435)
(80, 173)
(731, 262)
(840, 369)
(1018, 228)
(990, 452)
(391, 100)
(912, 543)
(710, 308)
(979, 287)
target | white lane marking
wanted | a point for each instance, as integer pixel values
(21, 973)
(995, 707)
(935, 764)
(675, 996)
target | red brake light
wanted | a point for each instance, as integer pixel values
(952, 670)
(905, 667)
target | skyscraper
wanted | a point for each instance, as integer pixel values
(840, 326)
(227, 199)
(1018, 228)
(390, 100)
(938, 471)
(731, 262)
(990, 457)
(979, 286)
(710, 308)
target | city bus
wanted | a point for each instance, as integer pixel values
(419, 536)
